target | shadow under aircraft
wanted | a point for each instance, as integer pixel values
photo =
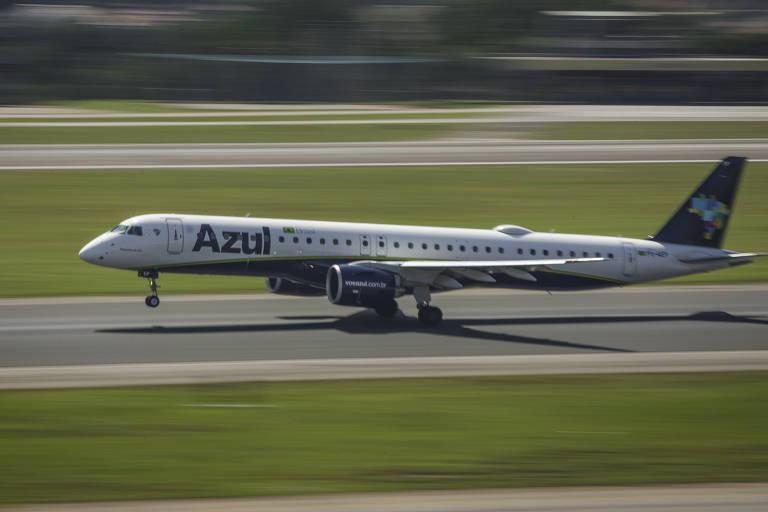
(367, 323)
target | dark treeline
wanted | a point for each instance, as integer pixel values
(368, 50)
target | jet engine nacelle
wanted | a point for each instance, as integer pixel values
(349, 285)
(282, 286)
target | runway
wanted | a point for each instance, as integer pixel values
(446, 152)
(41, 332)
(681, 498)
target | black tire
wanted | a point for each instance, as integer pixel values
(387, 309)
(152, 301)
(430, 316)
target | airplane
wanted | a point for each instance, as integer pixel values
(371, 265)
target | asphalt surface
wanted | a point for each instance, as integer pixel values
(682, 498)
(43, 332)
(461, 151)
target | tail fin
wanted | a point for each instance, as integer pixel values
(703, 217)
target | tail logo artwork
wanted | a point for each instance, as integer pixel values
(713, 214)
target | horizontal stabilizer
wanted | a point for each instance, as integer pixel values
(736, 256)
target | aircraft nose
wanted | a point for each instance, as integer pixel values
(89, 252)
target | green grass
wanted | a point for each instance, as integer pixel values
(48, 215)
(127, 106)
(394, 435)
(213, 134)
(651, 130)
(300, 116)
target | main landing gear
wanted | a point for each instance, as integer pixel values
(428, 315)
(151, 300)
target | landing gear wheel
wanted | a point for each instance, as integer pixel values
(430, 315)
(151, 275)
(387, 309)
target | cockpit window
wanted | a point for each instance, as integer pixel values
(120, 228)
(135, 230)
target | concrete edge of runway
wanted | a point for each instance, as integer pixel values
(476, 292)
(710, 497)
(109, 375)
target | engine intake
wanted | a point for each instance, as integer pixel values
(348, 285)
(281, 286)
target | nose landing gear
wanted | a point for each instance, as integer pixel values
(151, 300)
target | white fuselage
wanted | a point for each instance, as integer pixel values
(293, 248)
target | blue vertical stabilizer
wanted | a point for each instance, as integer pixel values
(703, 217)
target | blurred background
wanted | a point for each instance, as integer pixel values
(582, 116)
(594, 51)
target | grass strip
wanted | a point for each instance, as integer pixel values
(651, 130)
(49, 215)
(127, 106)
(213, 134)
(396, 435)
(299, 116)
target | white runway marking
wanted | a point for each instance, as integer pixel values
(348, 164)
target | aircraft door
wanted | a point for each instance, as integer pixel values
(365, 245)
(630, 259)
(175, 236)
(381, 246)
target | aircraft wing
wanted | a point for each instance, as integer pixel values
(442, 273)
(495, 264)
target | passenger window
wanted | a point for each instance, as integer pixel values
(519, 251)
(585, 254)
(437, 247)
(397, 245)
(474, 248)
(281, 239)
(309, 241)
(462, 248)
(381, 244)
(501, 250)
(410, 245)
(533, 252)
(322, 241)
(424, 246)
(559, 253)
(487, 249)
(335, 241)
(295, 239)
(365, 243)
(573, 254)
(610, 255)
(545, 252)
(349, 242)
(450, 247)
(598, 255)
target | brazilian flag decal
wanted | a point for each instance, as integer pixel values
(289, 230)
